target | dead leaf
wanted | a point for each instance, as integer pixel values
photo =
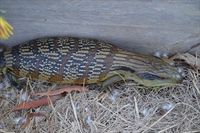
(64, 89)
(48, 97)
(36, 103)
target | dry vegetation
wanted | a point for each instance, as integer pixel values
(125, 108)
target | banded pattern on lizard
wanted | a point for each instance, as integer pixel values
(78, 60)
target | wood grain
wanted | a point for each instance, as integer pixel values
(138, 25)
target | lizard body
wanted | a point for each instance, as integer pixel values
(78, 60)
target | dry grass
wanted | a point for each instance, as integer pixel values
(125, 108)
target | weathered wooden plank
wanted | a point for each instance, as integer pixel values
(140, 25)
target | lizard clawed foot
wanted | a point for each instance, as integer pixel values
(48, 97)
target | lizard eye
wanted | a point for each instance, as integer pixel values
(149, 76)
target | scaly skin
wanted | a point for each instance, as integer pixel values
(77, 61)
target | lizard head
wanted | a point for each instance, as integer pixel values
(151, 72)
(158, 73)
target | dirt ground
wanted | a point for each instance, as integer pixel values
(125, 108)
